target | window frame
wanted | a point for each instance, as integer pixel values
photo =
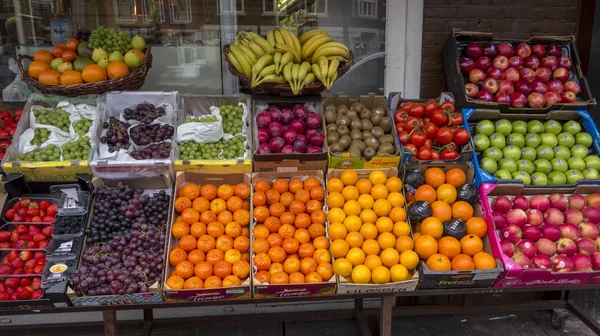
(357, 13)
(236, 12)
(272, 12)
(116, 14)
(161, 7)
(188, 19)
(317, 13)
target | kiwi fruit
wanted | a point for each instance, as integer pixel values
(352, 114)
(330, 116)
(372, 142)
(368, 153)
(386, 148)
(337, 147)
(388, 138)
(357, 143)
(330, 106)
(342, 120)
(380, 111)
(377, 132)
(332, 137)
(386, 124)
(354, 151)
(367, 134)
(331, 128)
(367, 125)
(355, 123)
(365, 114)
(376, 119)
(355, 134)
(342, 109)
(345, 141)
(357, 107)
(343, 130)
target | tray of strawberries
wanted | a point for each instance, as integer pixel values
(31, 210)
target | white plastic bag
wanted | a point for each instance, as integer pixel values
(62, 105)
(54, 138)
(17, 90)
(202, 132)
(83, 111)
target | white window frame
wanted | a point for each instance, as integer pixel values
(161, 8)
(130, 17)
(273, 11)
(318, 14)
(237, 12)
(358, 14)
(188, 18)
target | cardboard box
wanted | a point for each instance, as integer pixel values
(115, 103)
(457, 279)
(58, 171)
(194, 105)
(261, 290)
(473, 116)
(289, 166)
(396, 101)
(456, 81)
(205, 294)
(345, 161)
(345, 287)
(513, 275)
(154, 295)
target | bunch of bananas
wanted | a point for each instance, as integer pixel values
(284, 58)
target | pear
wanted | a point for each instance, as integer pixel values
(116, 56)
(138, 42)
(55, 63)
(81, 63)
(132, 59)
(65, 67)
(104, 63)
(99, 54)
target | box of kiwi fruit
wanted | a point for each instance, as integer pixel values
(360, 132)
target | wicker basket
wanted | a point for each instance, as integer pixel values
(315, 87)
(130, 82)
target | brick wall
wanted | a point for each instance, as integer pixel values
(518, 18)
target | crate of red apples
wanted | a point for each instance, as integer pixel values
(544, 239)
(536, 75)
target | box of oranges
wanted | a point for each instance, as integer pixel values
(290, 247)
(371, 241)
(209, 244)
(451, 237)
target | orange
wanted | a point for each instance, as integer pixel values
(140, 54)
(184, 269)
(310, 183)
(471, 245)
(350, 193)
(36, 67)
(366, 201)
(370, 247)
(464, 211)
(337, 231)
(206, 243)
(401, 229)
(456, 177)
(241, 243)
(384, 224)
(196, 256)
(175, 282)
(261, 261)
(354, 239)
(361, 274)
(339, 248)
(348, 176)
(325, 270)
(280, 185)
(433, 227)
(241, 217)
(308, 265)
(409, 259)
(397, 214)
(368, 216)
(193, 283)
(321, 256)
(390, 257)
(356, 256)
(462, 262)
(386, 240)
(72, 44)
(242, 191)
(396, 199)
(335, 200)
(203, 270)
(43, 55)
(182, 203)
(476, 226)
(380, 275)
(449, 246)
(215, 229)
(225, 191)
(394, 184)
(93, 73)
(435, 177)
(58, 50)
(425, 193)
(368, 231)
(49, 76)
(117, 69)
(208, 191)
(342, 267)
(483, 261)
(379, 191)
(335, 185)
(262, 185)
(190, 216)
(208, 217)
(70, 77)
(426, 246)
(295, 184)
(212, 282)
(187, 243)
(404, 243)
(372, 261)
(180, 229)
(201, 204)
(364, 186)
(321, 242)
(399, 273)
(336, 215)
(441, 210)
(352, 223)
(177, 255)
(352, 208)
(438, 262)
(377, 177)
(447, 193)
(382, 207)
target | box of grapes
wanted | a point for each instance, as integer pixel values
(54, 138)
(213, 135)
(136, 135)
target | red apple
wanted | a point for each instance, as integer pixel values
(527, 74)
(485, 96)
(543, 74)
(527, 247)
(552, 98)
(562, 264)
(565, 62)
(576, 201)
(508, 248)
(538, 50)
(573, 216)
(502, 204)
(483, 63)
(536, 100)
(524, 87)
(593, 200)
(466, 65)
(591, 214)
(535, 217)
(498, 219)
(538, 86)
(540, 203)
(506, 86)
(551, 232)
(541, 261)
(506, 50)
(515, 62)
(502, 98)
(553, 50)
(490, 85)
(570, 231)
(476, 76)
(532, 232)
(546, 247)
(472, 90)
(495, 73)
(490, 50)
(523, 50)
(511, 232)
(522, 260)
(566, 246)
(500, 62)
(568, 97)
(550, 62)
(573, 87)
(512, 75)
(532, 62)
(473, 50)
(582, 263)
(596, 261)
(520, 202)
(586, 246)
(559, 201)
(516, 217)
(553, 216)
(561, 74)
(518, 99)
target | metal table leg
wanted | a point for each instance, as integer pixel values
(110, 322)
(148, 317)
(584, 317)
(385, 318)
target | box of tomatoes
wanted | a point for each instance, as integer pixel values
(290, 246)
(451, 235)
(209, 243)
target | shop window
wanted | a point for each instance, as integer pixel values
(273, 7)
(365, 9)
(231, 6)
(154, 11)
(181, 11)
(318, 7)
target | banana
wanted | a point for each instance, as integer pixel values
(277, 60)
(309, 34)
(285, 59)
(287, 72)
(304, 68)
(333, 66)
(249, 53)
(289, 40)
(264, 61)
(294, 84)
(264, 44)
(235, 62)
(324, 65)
(256, 49)
(283, 48)
(268, 70)
(329, 51)
(278, 37)
(331, 81)
(296, 42)
(335, 44)
(271, 38)
(311, 45)
(237, 41)
(339, 58)
(316, 69)
(241, 58)
(271, 79)
(310, 77)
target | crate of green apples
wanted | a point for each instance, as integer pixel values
(557, 148)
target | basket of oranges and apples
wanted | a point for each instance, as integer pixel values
(109, 61)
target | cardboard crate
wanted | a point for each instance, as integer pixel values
(205, 294)
(514, 275)
(154, 295)
(289, 166)
(345, 161)
(261, 290)
(115, 103)
(57, 171)
(457, 279)
(473, 116)
(456, 81)
(194, 105)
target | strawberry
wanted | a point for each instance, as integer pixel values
(27, 237)
(43, 244)
(2, 287)
(28, 219)
(43, 213)
(38, 237)
(36, 283)
(4, 144)
(33, 229)
(7, 121)
(23, 293)
(47, 231)
(25, 255)
(16, 206)
(48, 219)
(30, 264)
(33, 205)
(4, 296)
(10, 213)
(36, 294)
(41, 262)
(24, 203)
(52, 210)
(12, 283)
(17, 264)
(38, 269)
(5, 269)
(5, 245)
(39, 255)
(22, 229)
(44, 205)
(25, 282)
(36, 219)
(32, 212)
(14, 236)
(19, 244)
(18, 113)
(18, 218)
(5, 114)
(4, 134)
(4, 236)
(12, 132)
(19, 272)
(12, 255)
(22, 212)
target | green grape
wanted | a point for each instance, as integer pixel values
(76, 150)
(82, 126)
(57, 117)
(40, 135)
(232, 118)
(205, 119)
(49, 153)
(223, 149)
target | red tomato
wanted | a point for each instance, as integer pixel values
(461, 136)
(430, 107)
(444, 135)
(403, 137)
(417, 110)
(413, 123)
(401, 116)
(428, 143)
(447, 106)
(411, 148)
(456, 119)
(449, 154)
(417, 138)
(439, 118)
(424, 153)
(430, 130)
(407, 106)
(435, 155)
(399, 128)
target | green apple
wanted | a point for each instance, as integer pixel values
(545, 152)
(552, 126)
(489, 165)
(584, 139)
(573, 176)
(535, 126)
(498, 140)
(522, 176)
(481, 142)
(528, 153)
(493, 152)
(549, 139)
(532, 140)
(519, 126)
(485, 127)
(576, 163)
(562, 152)
(508, 164)
(55, 63)
(516, 139)
(512, 152)
(590, 174)
(539, 179)
(572, 127)
(542, 166)
(503, 126)
(565, 139)
(526, 166)
(556, 178)
(580, 151)
(592, 161)
(559, 165)
(502, 174)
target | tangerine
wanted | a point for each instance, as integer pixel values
(184, 269)
(274, 239)
(175, 282)
(295, 184)
(297, 207)
(50, 77)
(308, 265)
(230, 280)
(36, 67)
(71, 77)
(180, 229)
(42, 55)
(462, 262)
(262, 185)
(242, 217)
(177, 255)
(279, 278)
(201, 204)
(302, 236)
(471, 245)
(456, 177)
(272, 223)
(242, 191)
(215, 229)
(435, 177)
(280, 185)
(321, 242)
(449, 246)
(93, 73)
(196, 256)
(208, 191)
(275, 209)
(206, 243)
(212, 282)
(302, 221)
(193, 283)
(296, 278)
(241, 243)
(187, 243)
(213, 256)
(464, 211)
(260, 245)
(310, 183)
(313, 277)
(261, 261)
(476, 226)
(262, 277)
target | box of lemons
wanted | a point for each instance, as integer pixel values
(290, 244)
(559, 148)
(450, 234)
(555, 244)
(371, 241)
